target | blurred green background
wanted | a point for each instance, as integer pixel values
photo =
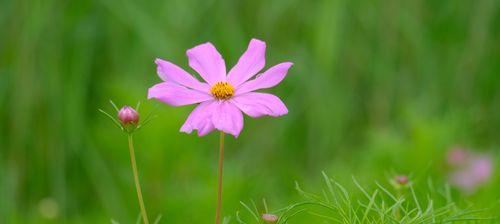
(378, 87)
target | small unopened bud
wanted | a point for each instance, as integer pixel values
(270, 218)
(128, 117)
(401, 180)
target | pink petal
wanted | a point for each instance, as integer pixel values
(464, 180)
(260, 104)
(268, 79)
(481, 167)
(249, 64)
(227, 118)
(207, 61)
(200, 119)
(176, 95)
(205, 128)
(170, 72)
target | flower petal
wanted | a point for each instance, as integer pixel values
(170, 72)
(207, 61)
(249, 64)
(273, 76)
(227, 118)
(200, 119)
(176, 95)
(206, 127)
(260, 104)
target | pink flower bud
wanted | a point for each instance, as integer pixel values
(270, 218)
(401, 180)
(127, 115)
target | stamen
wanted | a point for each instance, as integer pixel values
(222, 90)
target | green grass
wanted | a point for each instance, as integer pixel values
(377, 87)
(336, 204)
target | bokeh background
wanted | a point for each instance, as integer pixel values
(378, 88)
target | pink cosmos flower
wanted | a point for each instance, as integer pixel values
(477, 173)
(469, 170)
(223, 96)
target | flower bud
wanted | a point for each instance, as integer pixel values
(401, 180)
(270, 218)
(128, 116)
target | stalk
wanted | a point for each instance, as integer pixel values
(136, 179)
(219, 188)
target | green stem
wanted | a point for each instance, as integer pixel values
(399, 195)
(219, 188)
(136, 179)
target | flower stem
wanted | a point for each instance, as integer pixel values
(398, 212)
(136, 179)
(219, 188)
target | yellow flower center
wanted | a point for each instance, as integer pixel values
(222, 90)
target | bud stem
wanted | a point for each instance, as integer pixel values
(136, 179)
(219, 188)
